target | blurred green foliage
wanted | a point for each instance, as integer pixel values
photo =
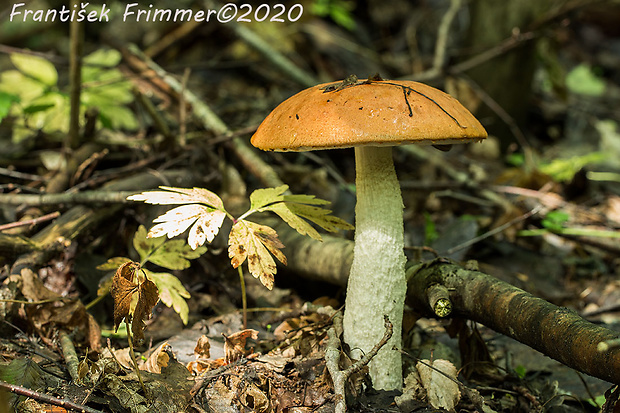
(31, 95)
(338, 10)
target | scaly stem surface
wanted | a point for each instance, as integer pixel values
(377, 285)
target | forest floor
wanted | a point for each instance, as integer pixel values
(537, 207)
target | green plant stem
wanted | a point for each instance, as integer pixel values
(133, 359)
(582, 232)
(244, 299)
(95, 301)
(75, 74)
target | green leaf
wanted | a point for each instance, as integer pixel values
(171, 254)
(555, 220)
(145, 246)
(113, 263)
(294, 221)
(102, 58)
(175, 255)
(582, 80)
(563, 170)
(430, 230)
(292, 208)
(16, 83)
(6, 101)
(117, 117)
(305, 199)
(36, 68)
(320, 216)
(260, 198)
(30, 109)
(171, 292)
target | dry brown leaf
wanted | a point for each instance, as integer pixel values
(122, 290)
(234, 344)
(125, 284)
(439, 380)
(203, 347)
(159, 358)
(148, 295)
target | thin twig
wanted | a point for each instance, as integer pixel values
(210, 120)
(67, 404)
(34, 221)
(494, 231)
(183, 109)
(441, 45)
(20, 175)
(332, 359)
(272, 55)
(500, 112)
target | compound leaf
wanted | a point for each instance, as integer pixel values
(171, 292)
(254, 242)
(296, 222)
(173, 195)
(320, 216)
(263, 197)
(175, 255)
(292, 208)
(144, 245)
(207, 222)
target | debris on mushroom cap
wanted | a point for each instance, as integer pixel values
(367, 112)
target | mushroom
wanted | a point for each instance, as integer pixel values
(371, 115)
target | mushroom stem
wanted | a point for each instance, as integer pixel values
(377, 285)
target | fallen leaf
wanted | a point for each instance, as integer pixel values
(234, 344)
(439, 380)
(160, 357)
(203, 347)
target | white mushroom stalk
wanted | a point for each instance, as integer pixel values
(377, 285)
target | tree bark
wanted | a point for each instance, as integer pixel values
(557, 332)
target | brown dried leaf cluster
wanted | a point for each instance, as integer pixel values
(125, 287)
(51, 312)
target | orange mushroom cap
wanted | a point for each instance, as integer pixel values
(367, 112)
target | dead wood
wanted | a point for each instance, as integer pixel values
(12, 246)
(72, 223)
(557, 332)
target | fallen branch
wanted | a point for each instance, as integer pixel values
(32, 394)
(557, 332)
(84, 197)
(554, 331)
(73, 222)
